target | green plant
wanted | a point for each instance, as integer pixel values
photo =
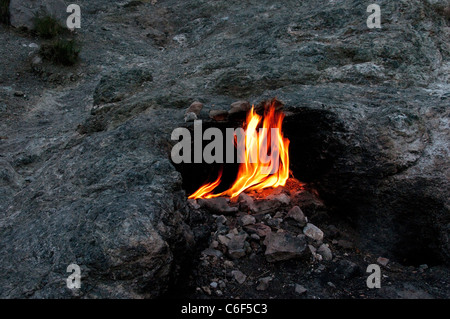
(4, 11)
(48, 27)
(61, 51)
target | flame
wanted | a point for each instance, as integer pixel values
(204, 191)
(266, 156)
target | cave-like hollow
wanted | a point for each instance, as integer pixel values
(315, 147)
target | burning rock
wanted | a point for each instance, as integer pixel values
(217, 205)
(283, 246)
(281, 198)
(246, 203)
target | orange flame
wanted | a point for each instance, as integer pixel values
(259, 169)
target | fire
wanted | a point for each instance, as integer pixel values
(266, 156)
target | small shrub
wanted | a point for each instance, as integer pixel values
(48, 27)
(61, 51)
(4, 11)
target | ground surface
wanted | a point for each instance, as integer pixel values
(85, 170)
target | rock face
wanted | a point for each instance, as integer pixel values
(22, 12)
(118, 84)
(85, 174)
(102, 213)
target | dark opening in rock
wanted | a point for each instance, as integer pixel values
(388, 225)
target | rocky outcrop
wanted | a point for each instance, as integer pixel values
(23, 12)
(85, 174)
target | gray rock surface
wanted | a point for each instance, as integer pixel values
(85, 174)
(313, 232)
(283, 246)
(22, 12)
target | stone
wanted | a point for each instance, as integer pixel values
(217, 205)
(19, 94)
(279, 215)
(213, 285)
(190, 117)
(382, 261)
(263, 283)
(195, 108)
(212, 252)
(238, 276)
(300, 290)
(274, 222)
(221, 219)
(214, 244)
(193, 203)
(283, 246)
(239, 108)
(313, 232)
(260, 229)
(206, 290)
(224, 240)
(255, 237)
(228, 264)
(283, 198)
(99, 225)
(218, 115)
(296, 214)
(247, 220)
(325, 252)
(236, 246)
(246, 203)
(266, 205)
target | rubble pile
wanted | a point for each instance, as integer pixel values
(269, 223)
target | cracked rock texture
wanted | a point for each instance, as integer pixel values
(85, 172)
